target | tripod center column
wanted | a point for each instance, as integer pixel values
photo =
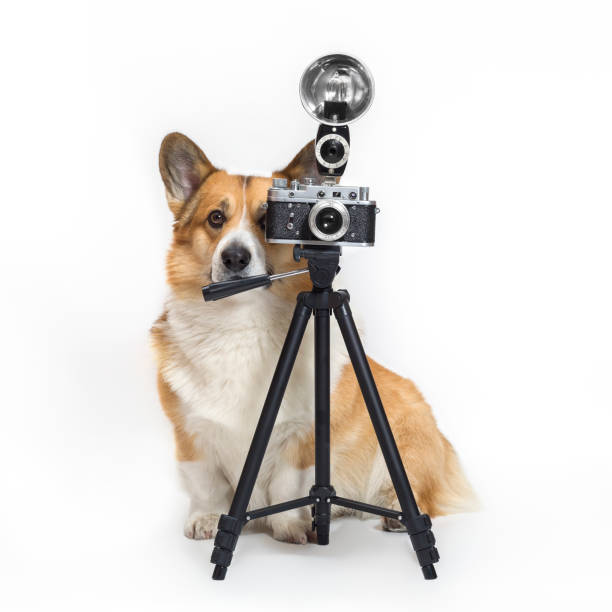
(322, 491)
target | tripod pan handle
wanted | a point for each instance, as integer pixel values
(223, 289)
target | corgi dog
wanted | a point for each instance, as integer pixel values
(215, 361)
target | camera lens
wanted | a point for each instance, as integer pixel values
(329, 221)
(332, 151)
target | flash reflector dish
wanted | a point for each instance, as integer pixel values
(336, 79)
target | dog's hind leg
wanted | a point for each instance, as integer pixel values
(439, 485)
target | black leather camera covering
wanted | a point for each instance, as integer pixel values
(361, 228)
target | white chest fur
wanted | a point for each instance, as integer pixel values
(223, 356)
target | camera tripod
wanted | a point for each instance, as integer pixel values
(322, 267)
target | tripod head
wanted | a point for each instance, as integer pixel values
(322, 267)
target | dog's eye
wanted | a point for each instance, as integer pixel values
(216, 218)
(262, 222)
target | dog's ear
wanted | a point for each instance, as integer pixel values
(304, 164)
(183, 168)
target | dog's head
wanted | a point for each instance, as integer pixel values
(219, 220)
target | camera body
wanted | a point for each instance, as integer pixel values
(308, 213)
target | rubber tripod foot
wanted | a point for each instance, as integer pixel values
(323, 539)
(220, 571)
(429, 572)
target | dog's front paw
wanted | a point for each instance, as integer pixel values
(201, 525)
(391, 524)
(293, 532)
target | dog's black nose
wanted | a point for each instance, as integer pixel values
(235, 257)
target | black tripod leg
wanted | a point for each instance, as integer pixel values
(418, 524)
(322, 492)
(230, 524)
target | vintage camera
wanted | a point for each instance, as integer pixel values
(317, 214)
(335, 90)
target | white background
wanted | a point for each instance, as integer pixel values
(488, 148)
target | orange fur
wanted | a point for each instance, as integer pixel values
(184, 443)
(426, 454)
(429, 459)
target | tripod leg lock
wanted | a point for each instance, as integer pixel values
(423, 542)
(427, 556)
(421, 522)
(228, 531)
